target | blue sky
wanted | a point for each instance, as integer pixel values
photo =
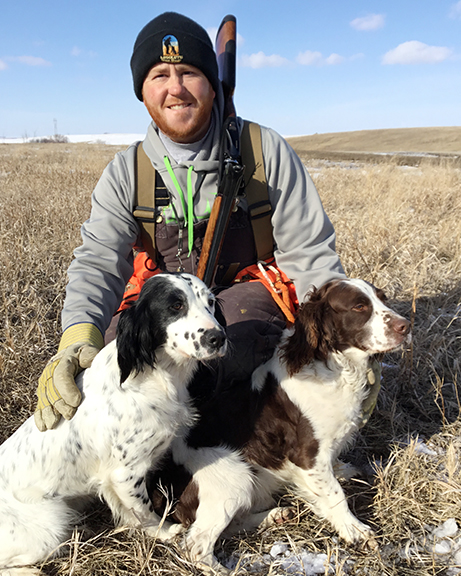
(304, 66)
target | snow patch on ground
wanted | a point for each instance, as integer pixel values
(282, 559)
(111, 139)
(442, 542)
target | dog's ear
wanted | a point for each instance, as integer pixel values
(311, 339)
(296, 352)
(138, 337)
(379, 293)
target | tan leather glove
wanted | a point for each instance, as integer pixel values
(374, 385)
(58, 395)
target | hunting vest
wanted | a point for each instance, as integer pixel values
(249, 237)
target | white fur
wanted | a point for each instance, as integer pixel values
(225, 483)
(330, 398)
(118, 433)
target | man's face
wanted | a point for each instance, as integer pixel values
(179, 98)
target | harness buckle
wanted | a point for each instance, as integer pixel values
(145, 214)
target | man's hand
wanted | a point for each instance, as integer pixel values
(374, 384)
(58, 395)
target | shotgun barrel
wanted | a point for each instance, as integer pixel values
(231, 168)
(226, 52)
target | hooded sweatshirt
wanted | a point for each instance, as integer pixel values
(304, 238)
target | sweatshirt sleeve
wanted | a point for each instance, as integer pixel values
(104, 262)
(304, 236)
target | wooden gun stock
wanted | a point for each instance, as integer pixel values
(231, 171)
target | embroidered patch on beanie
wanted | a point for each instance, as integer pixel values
(170, 48)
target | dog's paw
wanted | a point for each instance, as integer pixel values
(167, 532)
(198, 548)
(278, 516)
(359, 533)
(371, 543)
(215, 569)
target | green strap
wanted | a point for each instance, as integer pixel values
(256, 190)
(189, 210)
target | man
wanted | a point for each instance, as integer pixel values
(175, 74)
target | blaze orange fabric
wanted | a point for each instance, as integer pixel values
(276, 281)
(144, 268)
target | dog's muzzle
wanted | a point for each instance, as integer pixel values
(213, 340)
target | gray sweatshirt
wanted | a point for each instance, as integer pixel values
(303, 235)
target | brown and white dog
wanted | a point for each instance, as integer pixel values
(288, 427)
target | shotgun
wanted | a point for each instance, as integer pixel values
(231, 168)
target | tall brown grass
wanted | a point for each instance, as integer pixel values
(396, 227)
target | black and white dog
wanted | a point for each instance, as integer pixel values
(287, 428)
(134, 400)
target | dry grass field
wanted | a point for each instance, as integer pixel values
(444, 140)
(405, 144)
(398, 227)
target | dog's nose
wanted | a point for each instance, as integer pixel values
(213, 339)
(401, 326)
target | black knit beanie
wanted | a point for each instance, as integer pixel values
(173, 38)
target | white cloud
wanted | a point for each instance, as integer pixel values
(79, 52)
(309, 58)
(370, 22)
(261, 60)
(414, 52)
(3, 65)
(334, 59)
(29, 60)
(455, 11)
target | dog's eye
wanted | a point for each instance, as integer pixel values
(210, 301)
(359, 308)
(177, 306)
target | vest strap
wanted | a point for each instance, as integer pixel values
(145, 206)
(259, 207)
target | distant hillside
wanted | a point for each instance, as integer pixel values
(444, 141)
